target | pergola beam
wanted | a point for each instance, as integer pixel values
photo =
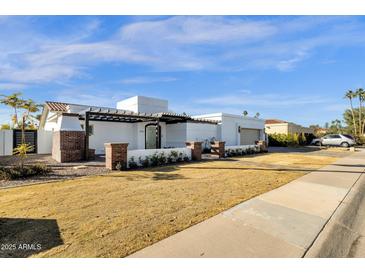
(128, 117)
(86, 151)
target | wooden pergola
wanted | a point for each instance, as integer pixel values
(124, 116)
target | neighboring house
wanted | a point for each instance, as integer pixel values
(279, 126)
(147, 123)
(236, 129)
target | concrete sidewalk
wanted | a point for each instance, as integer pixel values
(281, 223)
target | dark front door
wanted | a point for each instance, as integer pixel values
(30, 138)
(152, 136)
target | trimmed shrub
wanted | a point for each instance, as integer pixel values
(170, 159)
(241, 151)
(145, 162)
(181, 157)
(17, 172)
(158, 159)
(161, 159)
(132, 163)
(250, 150)
(154, 160)
(174, 155)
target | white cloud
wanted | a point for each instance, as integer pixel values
(39, 74)
(336, 107)
(266, 100)
(175, 43)
(289, 64)
(11, 86)
(198, 30)
(147, 80)
(92, 96)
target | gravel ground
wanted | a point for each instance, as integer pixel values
(60, 171)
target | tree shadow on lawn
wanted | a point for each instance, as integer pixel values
(21, 238)
(154, 173)
(165, 176)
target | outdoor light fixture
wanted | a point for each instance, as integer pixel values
(239, 129)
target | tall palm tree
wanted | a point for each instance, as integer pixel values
(351, 95)
(361, 94)
(14, 101)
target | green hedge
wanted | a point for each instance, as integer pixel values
(285, 140)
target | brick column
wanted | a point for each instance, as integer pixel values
(68, 146)
(115, 153)
(262, 145)
(218, 148)
(196, 150)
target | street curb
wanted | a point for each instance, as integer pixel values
(340, 232)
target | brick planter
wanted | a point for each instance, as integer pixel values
(218, 148)
(116, 153)
(68, 146)
(196, 150)
(263, 146)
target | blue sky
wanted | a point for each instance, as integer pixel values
(286, 67)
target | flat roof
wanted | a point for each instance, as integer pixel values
(221, 114)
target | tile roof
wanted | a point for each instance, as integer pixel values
(57, 106)
(274, 121)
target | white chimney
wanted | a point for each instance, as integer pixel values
(143, 104)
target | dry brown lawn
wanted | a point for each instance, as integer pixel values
(119, 213)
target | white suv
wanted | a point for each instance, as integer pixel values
(343, 140)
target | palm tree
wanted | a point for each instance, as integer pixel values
(351, 95)
(14, 101)
(245, 113)
(361, 94)
(31, 107)
(257, 115)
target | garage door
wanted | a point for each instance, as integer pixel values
(249, 136)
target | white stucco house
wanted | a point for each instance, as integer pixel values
(147, 123)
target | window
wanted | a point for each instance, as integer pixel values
(334, 136)
(348, 136)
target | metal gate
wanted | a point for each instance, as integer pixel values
(30, 138)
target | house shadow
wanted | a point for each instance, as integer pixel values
(21, 238)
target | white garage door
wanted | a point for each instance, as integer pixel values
(249, 136)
